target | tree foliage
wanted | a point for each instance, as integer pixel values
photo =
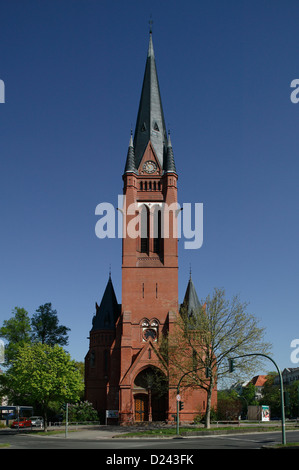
(43, 327)
(229, 405)
(81, 411)
(42, 373)
(46, 328)
(16, 331)
(204, 341)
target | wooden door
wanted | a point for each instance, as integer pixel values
(141, 407)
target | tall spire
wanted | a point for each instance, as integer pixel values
(130, 162)
(169, 165)
(191, 301)
(108, 310)
(150, 124)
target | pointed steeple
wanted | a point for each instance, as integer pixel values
(169, 161)
(191, 301)
(150, 124)
(108, 311)
(130, 163)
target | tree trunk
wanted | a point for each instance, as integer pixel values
(208, 409)
(45, 416)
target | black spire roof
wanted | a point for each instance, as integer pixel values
(108, 311)
(130, 163)
(150, 124)
(191, 301)
(169, 162)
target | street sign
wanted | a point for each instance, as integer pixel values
(112, 413)
(178, 398)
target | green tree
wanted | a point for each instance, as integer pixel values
(294, 398)
(271, 395)
(204, 341)
(248, 393)
(16, 331)
(46, 328)
(229, 405)
(82, 411)
(42, 374)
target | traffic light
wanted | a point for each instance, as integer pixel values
(181, 405)
(231, 365)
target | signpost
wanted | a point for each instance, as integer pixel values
(66, 418)
(111, 414)
(178, 399)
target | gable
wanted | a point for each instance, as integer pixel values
(149, 156)
(147, 356)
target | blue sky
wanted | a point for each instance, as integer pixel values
(73, 72)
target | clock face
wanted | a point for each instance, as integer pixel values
(150, 167)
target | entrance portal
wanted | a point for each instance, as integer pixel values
(151, 395)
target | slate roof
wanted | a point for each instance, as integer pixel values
(130, 162)
(150, 123)
(108, 311)
(169, 165)
(191, 300)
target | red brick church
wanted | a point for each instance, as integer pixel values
(123, 358)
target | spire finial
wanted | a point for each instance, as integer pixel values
(131, 138)
(110, 271)
(190, 271)
(150, 25)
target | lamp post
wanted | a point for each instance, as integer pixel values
(150, 383)
(240, 396)
(178, 400)
(66, 418)
(150, 418)
(283, 431)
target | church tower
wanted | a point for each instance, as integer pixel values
(150, 246)
(123, 370)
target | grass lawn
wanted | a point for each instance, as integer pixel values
(187, 431)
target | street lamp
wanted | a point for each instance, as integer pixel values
(149, 404)
(231, 367)
(240, 396)
(150, 382)
(178, 397)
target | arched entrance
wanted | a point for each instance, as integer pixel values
(150, 395)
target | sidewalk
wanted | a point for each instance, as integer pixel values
(99, 432)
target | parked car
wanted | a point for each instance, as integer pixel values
(21, 423)
(37, 421)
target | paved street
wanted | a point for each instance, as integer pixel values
(95, 439)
